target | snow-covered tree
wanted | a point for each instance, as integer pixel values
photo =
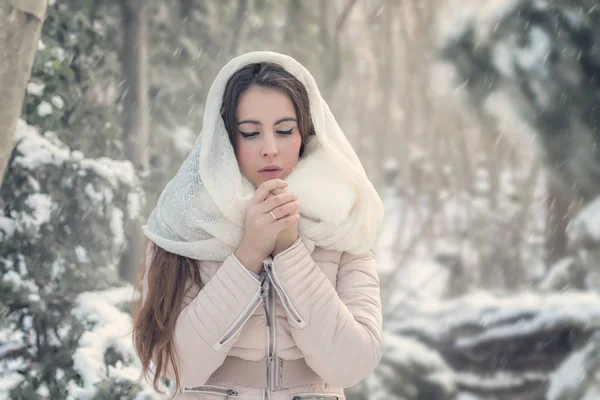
(65, 321)
(534, 64)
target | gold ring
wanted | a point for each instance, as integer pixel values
(273, 215)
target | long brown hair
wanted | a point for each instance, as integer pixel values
(154, 318)
(168, 273)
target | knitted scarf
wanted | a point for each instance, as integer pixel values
(200, 213)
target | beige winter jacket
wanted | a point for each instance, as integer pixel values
(327, 311)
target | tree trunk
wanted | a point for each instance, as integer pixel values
(20, 29)
(135, 102)
(558, 215)
(240, 16)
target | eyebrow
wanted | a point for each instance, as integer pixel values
(255, 122)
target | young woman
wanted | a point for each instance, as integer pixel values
(259, 279)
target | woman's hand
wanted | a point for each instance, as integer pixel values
(266, 217)
(289, 235)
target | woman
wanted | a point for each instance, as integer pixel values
(259, 281)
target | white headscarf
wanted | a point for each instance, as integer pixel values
(200, 213)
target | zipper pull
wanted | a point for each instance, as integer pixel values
(264, 291)
(265, 278)
(269, 269)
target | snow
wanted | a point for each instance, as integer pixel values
(41, 208)
(114, 171)
(77, 155)
(497, 381)
(569, 375)
(35, 89)
(7, 227)
(36, 150)
(405, 350)
(485, 309)
(58, 268)
(183, 139)
(134, 204)
(39, 150)
(116, 225)
(8, 380)
(460, 15)
(58, 102)
(575, 17)
(33, 297)
(97, 196)
(44, 109)
(587, 224)
(81, 254)
(10, 339)
(58, 53)
(43, 390)
(35, 185)
(535, 55)
(112, 329)
(503, 59)
(467, 396)
(22, 265)
(13, 278)
(558, 274)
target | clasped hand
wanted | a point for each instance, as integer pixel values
(271, 224)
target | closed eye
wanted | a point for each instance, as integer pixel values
(289, 132)
(248, 134)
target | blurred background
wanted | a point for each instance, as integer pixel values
(477, 121)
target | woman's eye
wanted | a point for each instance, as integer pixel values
(289, 132)
(248, 134)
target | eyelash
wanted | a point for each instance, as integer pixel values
(252, 134)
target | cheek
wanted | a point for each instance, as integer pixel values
(293, 149)
(244, 156)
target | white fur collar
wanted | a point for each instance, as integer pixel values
(323, 194)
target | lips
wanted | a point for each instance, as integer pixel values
(271, 168)
(270, 171)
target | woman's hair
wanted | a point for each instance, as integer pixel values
(271, 76)
(168, 273)
(154, 317)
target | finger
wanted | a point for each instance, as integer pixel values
(275, 192)
(286, 209)
(276, 201)
(263, 190)
(286, 222)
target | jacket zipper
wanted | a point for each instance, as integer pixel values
(269, 303)
(287, 304)
(315, 396)
(210, 389)
(245, 315)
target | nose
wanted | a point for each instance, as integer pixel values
(269, 147)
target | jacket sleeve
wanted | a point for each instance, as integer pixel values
(339, 330)
(211, 320)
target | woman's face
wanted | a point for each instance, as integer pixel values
(267, 138)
